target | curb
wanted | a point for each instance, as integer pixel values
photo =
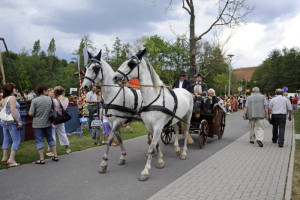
(289, 181)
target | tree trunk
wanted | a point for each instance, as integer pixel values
(2, 70)
(193, 40)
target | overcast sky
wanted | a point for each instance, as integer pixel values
(273, 24)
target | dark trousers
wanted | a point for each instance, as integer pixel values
(279, 121)
(92, 110)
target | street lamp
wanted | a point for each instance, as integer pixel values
(230, 57)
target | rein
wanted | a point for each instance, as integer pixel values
(151, 107)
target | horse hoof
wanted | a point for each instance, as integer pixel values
(143, 177)
(183, 157)
(121, 162)
(160, 165)
(178, 153)
(102, 169)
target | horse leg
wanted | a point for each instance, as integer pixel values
(103, 164)
(123, 152)
(144, 175)
(189, 139)
(160, 162)
(186, 128)
(176, 144)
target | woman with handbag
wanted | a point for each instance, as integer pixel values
(11, 128)
(61, 103)
(40, 110)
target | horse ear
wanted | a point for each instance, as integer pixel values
(90, 55)
(98, 57)
(140, 54)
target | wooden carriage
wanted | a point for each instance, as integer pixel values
(205, 123)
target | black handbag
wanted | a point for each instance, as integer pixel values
(57, 118)
(53, 113)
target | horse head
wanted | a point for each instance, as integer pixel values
(93, 72)
(130, 68)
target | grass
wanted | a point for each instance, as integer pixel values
(27, 151)
(296, 175)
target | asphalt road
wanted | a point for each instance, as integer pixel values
(75, 176)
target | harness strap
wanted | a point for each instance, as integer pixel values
(164, 110)
(175, 107)
(135, 97)
(143, 108)
(120, 108)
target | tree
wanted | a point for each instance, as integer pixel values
(52, 48)
(230, 13)
(36, 48)
(116, 51)
(51, 53)
(281, 68)
(87, 42)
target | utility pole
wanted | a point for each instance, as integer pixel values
(229, 84)
(246, 77)
(2, 69)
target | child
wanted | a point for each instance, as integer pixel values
(106, 131)
(106, 128)
(96, 125)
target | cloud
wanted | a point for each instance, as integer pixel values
(273, 24)
(267, 11)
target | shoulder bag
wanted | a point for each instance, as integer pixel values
(7, 118)
(53, 113)
(63, 117)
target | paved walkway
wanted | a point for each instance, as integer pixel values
(239, 171)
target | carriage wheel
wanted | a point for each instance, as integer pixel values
(166, 135)
(203, 133)
(222, 126)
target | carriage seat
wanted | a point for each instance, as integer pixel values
(202, 103)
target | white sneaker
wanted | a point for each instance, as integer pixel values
(68, 151)
(50, 154)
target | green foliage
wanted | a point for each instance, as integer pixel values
(281, 68)
(34, 70)
(36, 48)
(52, 48)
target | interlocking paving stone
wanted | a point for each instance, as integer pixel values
(239, 171)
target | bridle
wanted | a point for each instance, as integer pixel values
(133, 63)
(97, 68)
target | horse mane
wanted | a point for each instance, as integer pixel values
(154, 77)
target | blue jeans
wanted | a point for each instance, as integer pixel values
(38, 134)
(13, 133)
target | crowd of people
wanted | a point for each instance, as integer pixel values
(257, 107)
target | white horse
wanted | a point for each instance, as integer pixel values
(157, 104)
(121, 103)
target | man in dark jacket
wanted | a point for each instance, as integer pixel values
(181, 82)
(199, 88)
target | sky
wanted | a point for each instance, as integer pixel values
(272, 24)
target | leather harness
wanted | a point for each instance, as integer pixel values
(110, 105)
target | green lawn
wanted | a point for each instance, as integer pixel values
(296, 175)
(27, 152)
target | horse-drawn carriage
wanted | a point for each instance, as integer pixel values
(207, 121)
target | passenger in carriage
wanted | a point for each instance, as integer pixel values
(181, 82)
(212, 97)
(199, 88)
